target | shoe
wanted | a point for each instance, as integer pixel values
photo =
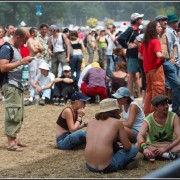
(97, 99)
(132, 164)
(56, 102)
(28, 103)
(173, 156)
(62, 102)
(42, 102)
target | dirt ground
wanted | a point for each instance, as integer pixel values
(41, 159)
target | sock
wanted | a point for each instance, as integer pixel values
(166, 155)
(43, 97)
(31, 99)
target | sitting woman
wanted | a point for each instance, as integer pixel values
(132, 113)
(119, 76)
(69, 123)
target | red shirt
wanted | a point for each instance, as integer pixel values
(150, 59)
(24, 51)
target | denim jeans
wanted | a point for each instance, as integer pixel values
(119, 160)
(68, 141)
(170, 72)
(75, 64)
(102, 53)
(44, 93)
(110, 65)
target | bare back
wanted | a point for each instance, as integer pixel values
(99, 141)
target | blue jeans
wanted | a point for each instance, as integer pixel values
(119, 160)
(170, 72)
(110, 65)
(75, 64)
(68, 141)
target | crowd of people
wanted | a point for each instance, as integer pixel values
(55, 57)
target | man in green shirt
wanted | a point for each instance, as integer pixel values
(156, 137)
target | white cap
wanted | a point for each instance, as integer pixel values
(134, 16)
(66, 68)
(44, 66)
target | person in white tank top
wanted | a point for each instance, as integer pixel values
(58, 53)
(133, 114)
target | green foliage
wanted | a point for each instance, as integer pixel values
(77, 13)
(92, 22)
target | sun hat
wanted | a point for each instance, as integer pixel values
(121, 92)
(44, 66)
(108, 104)
(160, 17)
(93, 30)
(79, 96)
(135, 16)
(53, 27)
(156, 100)
(66, 68)
(172, 18)
(95, 64)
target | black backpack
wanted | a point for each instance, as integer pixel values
(11, 58)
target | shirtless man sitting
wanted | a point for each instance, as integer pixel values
(102, 132)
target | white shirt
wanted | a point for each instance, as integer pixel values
(110, 46)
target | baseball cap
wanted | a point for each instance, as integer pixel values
(121, 92)
(134, 16)
(158, 100)
(160, 17)
(79, 96)
(44, 66)
(108, 104)
(66, 68)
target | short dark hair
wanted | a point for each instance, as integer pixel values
(106, 115)
(32, 30)
(44, 25)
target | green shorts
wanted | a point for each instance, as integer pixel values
(133, 65)
(14, 110)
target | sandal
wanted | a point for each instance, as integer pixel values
(14, 148)
(20, 144)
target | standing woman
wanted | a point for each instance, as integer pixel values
(78, 49)
(101, 45)
(151, 53)
(69, 123)
(91, 45)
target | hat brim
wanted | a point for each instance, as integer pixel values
(44, 68)
(109, 109)
(84, 99)
(117, 96)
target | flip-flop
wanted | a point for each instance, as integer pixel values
(14, 148)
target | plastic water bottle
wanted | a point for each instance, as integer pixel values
(25, 76)
(25, 73)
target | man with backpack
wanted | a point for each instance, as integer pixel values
(11, 65)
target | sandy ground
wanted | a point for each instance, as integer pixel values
(41, 159)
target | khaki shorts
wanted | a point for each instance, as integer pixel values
(13, 110)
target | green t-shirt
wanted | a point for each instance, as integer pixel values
(160, 133)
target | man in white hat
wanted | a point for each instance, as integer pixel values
(41, 86)
(126, 40)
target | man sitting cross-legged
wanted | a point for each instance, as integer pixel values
(155, 137)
